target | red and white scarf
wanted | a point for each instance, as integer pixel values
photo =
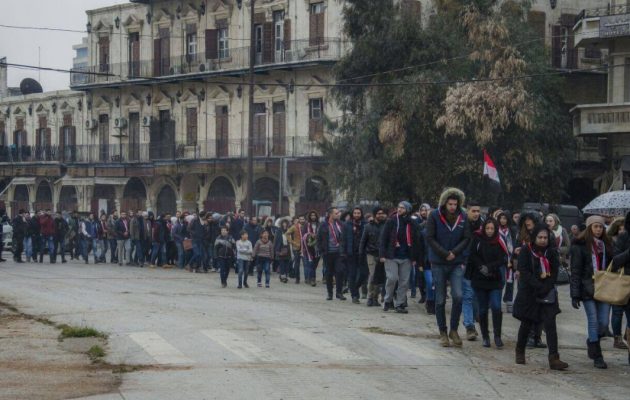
(408, 232)
(598, 255)
(545, 265)
(445, 222)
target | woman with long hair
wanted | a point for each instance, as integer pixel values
(310, 252)
(486, 270)
(507, 232)
(537, 299)
(591, 252)
(282, 250)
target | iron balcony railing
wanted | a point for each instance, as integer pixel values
(603, 11)
(149, 152)
(234, 59)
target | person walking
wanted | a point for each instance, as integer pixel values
(224, 251)
(560, 236)
(448, 236)
(331, 245)
(294, 234)
(123, 238)
(486, 269)
(253, 230)
(621, 243)
(368, 249)
(61, 230)
(537, 299)
(111, 237)
(101, 238)
(399, 250)
(86, 235)
(469, 303)
(264, 254)
(622, 260)
(591, 251)
(47, 232)
(508, 235)
(244, 253)
(355, 261)
(282, 251)
(310, 250)
(178, 233)
(20, 236)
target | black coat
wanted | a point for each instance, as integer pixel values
(582, 285)
(387, 241)
(370, 238)
(490, 254)
(531, 286)
(622, 260)
(322, 238)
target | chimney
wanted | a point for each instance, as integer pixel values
(4, 86)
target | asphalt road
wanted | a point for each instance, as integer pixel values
(288, 342)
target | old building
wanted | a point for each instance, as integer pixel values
(603, 128)
(159, 119)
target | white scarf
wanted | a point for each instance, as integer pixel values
(558, 234)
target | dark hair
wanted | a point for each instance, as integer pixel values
(330, 211)
(471, 203)
(487, 222)
(376, 210)
(243, 232)
(537, 229)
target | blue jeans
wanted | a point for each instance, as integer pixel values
(455, 275)
(264, 265)
(617, 318)
(158, 249)
(209, 256)
(197, 258)
(468, 304)
(48, 242)
(139, 251)
(488, 299)
(412, 281)
(597, 314)
(84, 243)
(358, 274)
(296, 265)
(180, 254)
(113, 253)
(310, 269)
(243, 267)
(28, 247)
(428, 279)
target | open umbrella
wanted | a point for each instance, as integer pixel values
(611, 204)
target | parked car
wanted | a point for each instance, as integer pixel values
(7, 236)
(569, 215)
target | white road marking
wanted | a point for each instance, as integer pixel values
(158, 348)
(316, 343)
(238, 345)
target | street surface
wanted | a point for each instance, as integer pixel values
(288, 342)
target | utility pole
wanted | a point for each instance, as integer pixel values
(250, 136)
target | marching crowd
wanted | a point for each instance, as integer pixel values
(380, 257)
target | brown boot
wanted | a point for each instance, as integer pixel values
(454, 336)
(556, 364)
(520, 356)
(444, 342)
(619, 343)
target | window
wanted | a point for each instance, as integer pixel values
(260, 129)
(19, 136)
(222, 133)
(224, 50)
(259, 43)
(626, 80)
(191, 126)
(2, 128)
(316, 24)
(134, 54)
(191, 41)
(316, 119)
(103, 54)
(278, 34)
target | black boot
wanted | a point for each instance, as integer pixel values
(590, 350)
(497, 322)
(599, 358)
(485, 335)
(430, 307)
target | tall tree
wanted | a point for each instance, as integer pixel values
(408, 130)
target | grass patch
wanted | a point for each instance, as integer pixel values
(96, 352)
(68, 331)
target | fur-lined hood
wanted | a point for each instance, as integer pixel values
(450, 192)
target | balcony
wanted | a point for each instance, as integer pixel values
(233, 62)
(124, 153)
(594, 24)
(601, 119)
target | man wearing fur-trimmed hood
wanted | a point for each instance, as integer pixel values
(448, 235)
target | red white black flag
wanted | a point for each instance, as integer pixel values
(489, 169)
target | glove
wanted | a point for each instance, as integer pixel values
(484, 271)
(575, 303)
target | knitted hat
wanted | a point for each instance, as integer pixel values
(595, 219)
(406, 204)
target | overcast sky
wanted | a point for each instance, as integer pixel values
(21, 46)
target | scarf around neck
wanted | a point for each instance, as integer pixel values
(598, 254)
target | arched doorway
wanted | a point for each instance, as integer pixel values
(317, 196)
(221, 197)
(68, 199)
(267, 190)
(20, 200)
(134, 196)
(167, 201)
(189, 191)
(103, 200)
(43, 197)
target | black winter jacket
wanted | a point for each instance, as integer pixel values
(582, 285)
(491, 254)
(370, 238)
(387, 241)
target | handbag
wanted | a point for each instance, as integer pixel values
(612, 287)
(550, 298)
(187, 244)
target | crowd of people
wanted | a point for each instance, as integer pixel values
(380, 257)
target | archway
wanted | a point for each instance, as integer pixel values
(20, 200)
(317, 196)
(267, 190)
(221, 196)
(103, 199)
(134, 196)
(43, 197)
(167, 201)
(20, 193)
(68, 199)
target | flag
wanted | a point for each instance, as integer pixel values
(489, 169)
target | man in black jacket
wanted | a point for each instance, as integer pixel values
(369, 248)
(400, 248)
(331, 246)
(61, 230)
(20, 229)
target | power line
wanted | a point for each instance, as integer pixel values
(38, 68)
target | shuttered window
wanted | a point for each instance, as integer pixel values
(260, 129)
(19, 135)
(316, 24)
(191, 126)
(279, 129)
(103, 54)
(212, 44)
(316, 119)
(222, 130)
(2, 133)
(134, 54)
